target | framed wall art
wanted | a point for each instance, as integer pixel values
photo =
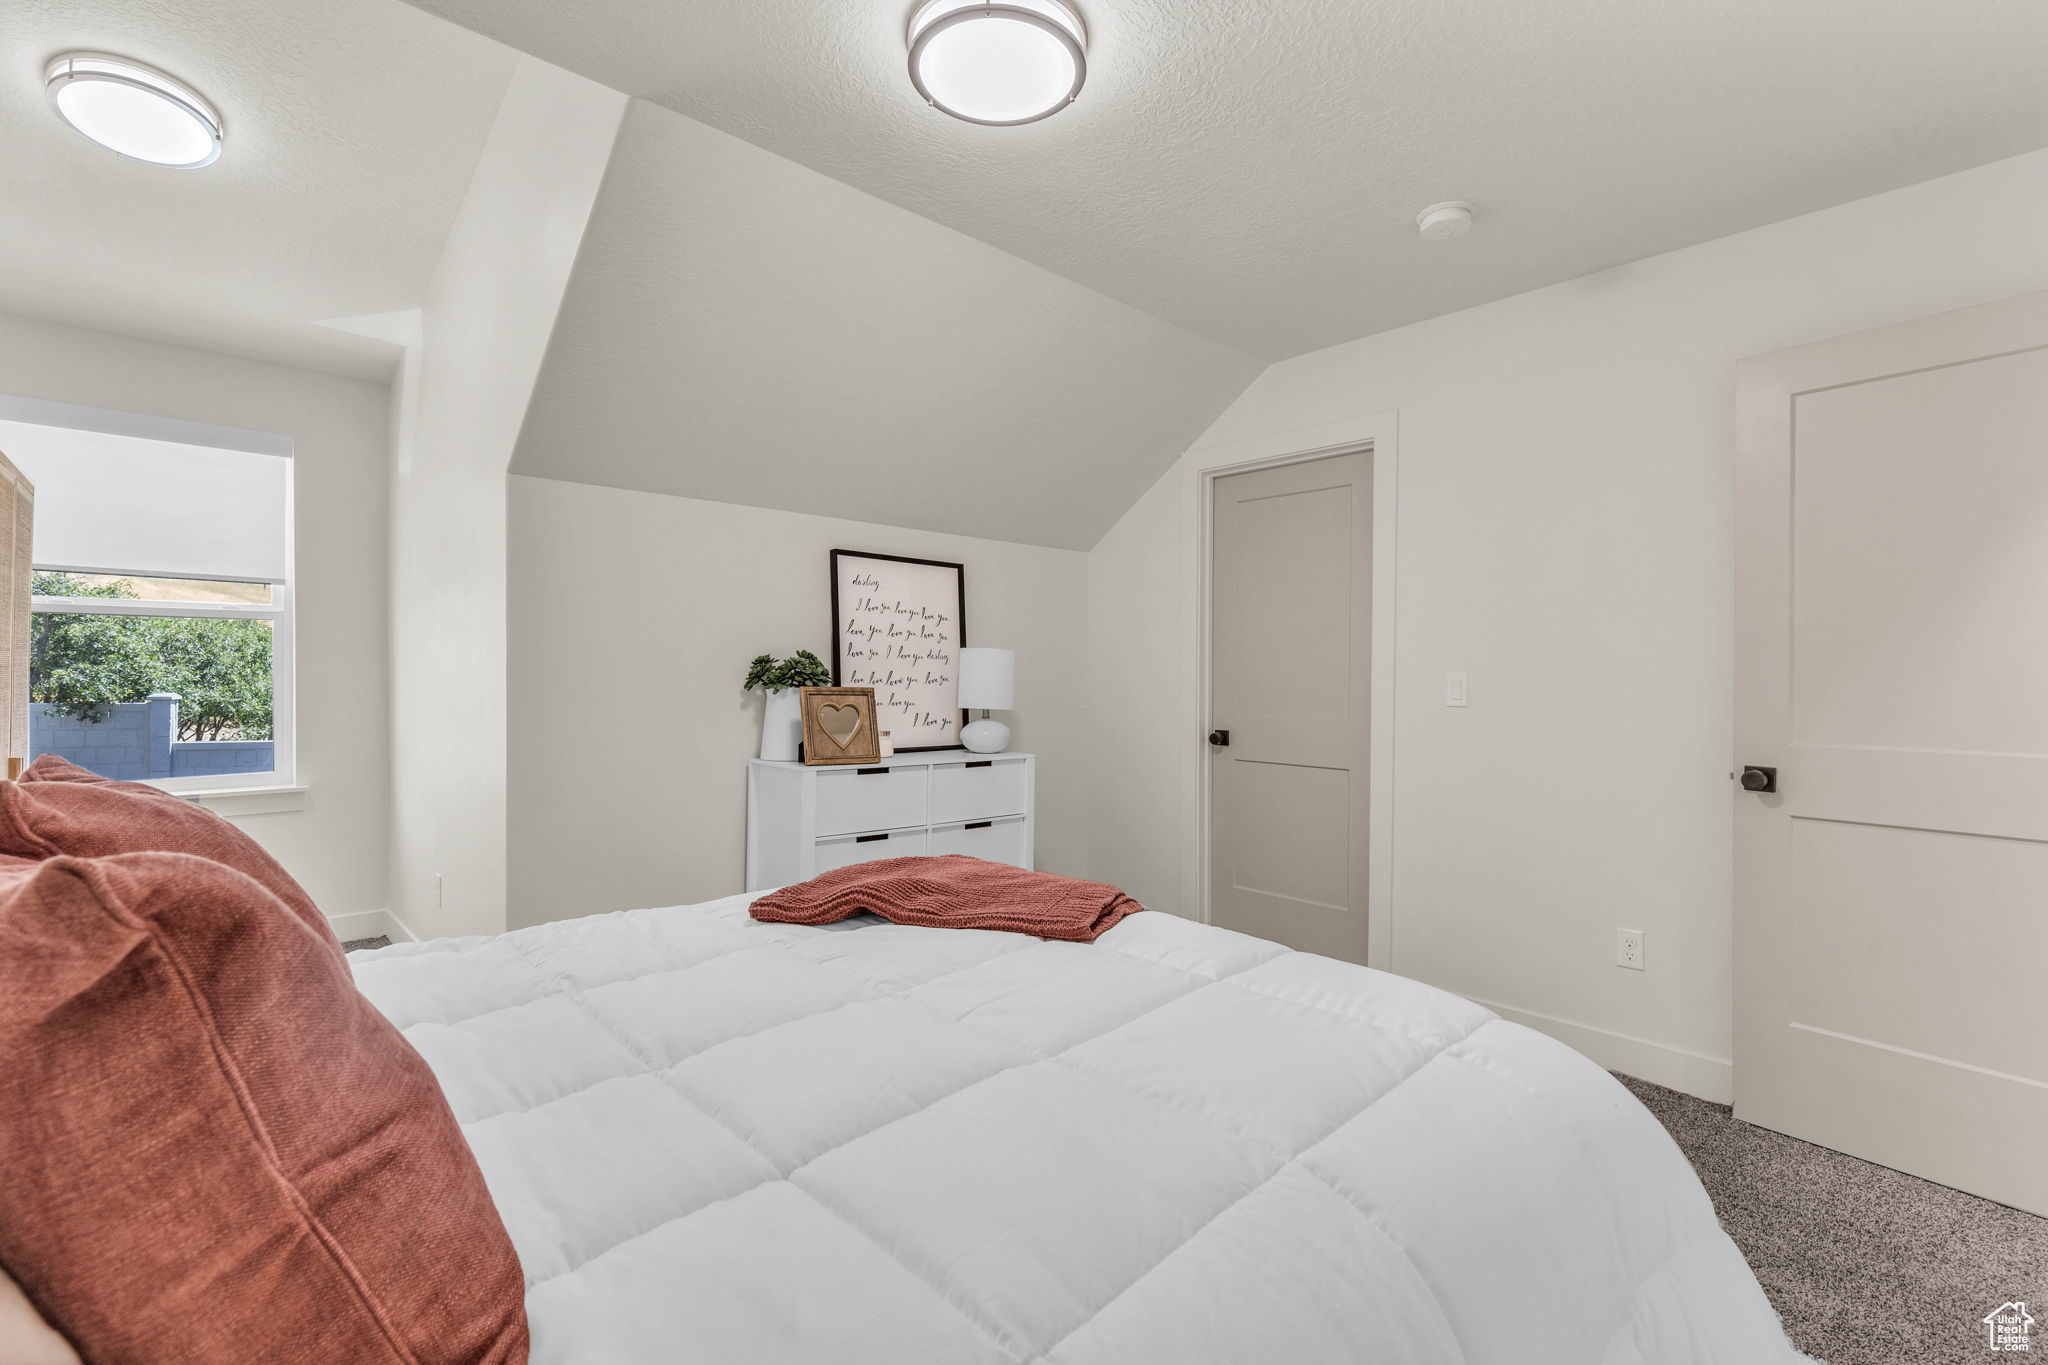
(839, 725)
(897, 627)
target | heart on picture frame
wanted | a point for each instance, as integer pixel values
(840, 723)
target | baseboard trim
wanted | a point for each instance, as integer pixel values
(371, 924)
(1695, 1073)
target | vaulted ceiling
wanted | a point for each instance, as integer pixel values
(1250, 169)
(352, 129)
(743, 329)
(803, 288)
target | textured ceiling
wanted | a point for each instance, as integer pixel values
(742, 329)
(352, 130)
(1250, 169)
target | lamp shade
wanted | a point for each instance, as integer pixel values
(988, 678)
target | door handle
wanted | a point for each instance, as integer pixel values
(1220, 738)
(1759, 779)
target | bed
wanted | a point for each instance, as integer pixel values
(717, 1140)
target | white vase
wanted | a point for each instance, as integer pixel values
(782, 725)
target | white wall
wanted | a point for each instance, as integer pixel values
(633, 618)
(463, 392)
(1565, 533)
(744, 329)
(333, 837)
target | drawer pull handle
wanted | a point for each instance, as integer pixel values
(983, 763)
(979, 824)
(868, 838)
(869, 772)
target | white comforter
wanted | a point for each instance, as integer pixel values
(726, 1142)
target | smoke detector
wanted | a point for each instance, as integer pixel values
(1442, 222)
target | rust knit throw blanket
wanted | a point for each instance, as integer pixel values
(952, 892)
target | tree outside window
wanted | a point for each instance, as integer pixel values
(220, 668)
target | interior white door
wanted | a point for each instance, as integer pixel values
(1892, 666)
(1291, 703)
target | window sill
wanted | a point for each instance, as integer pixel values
(248, 800)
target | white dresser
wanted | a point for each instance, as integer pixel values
(802, 821)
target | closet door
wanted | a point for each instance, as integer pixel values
(1291, 700)
(1892, 669)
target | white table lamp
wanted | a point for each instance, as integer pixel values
(988, 682)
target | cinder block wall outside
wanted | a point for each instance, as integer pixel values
(137, 740)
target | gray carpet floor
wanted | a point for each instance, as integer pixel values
(351, 945)
(1866, 1265)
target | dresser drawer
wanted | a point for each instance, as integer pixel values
(804, 820)
(979, 789)
(860, 800)
(855, 848)
(998, 841)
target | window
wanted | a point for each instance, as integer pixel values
(160, 640)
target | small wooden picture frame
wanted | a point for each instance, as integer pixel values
(839, 725)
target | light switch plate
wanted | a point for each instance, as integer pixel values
(1454, 689)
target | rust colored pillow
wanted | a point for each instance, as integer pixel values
(215, 1149)
(57, 768)
(59, 807)
(25, 1339)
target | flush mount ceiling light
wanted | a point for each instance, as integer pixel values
(998, 64)
(134, 110)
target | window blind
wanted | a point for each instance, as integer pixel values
(160, 509)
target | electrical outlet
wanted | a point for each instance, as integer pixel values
(1628, 949)
(440, 892)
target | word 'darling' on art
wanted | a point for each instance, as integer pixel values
(897, 628)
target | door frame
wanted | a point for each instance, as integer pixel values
(1374, 437)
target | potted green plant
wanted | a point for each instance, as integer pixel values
(782, 720)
